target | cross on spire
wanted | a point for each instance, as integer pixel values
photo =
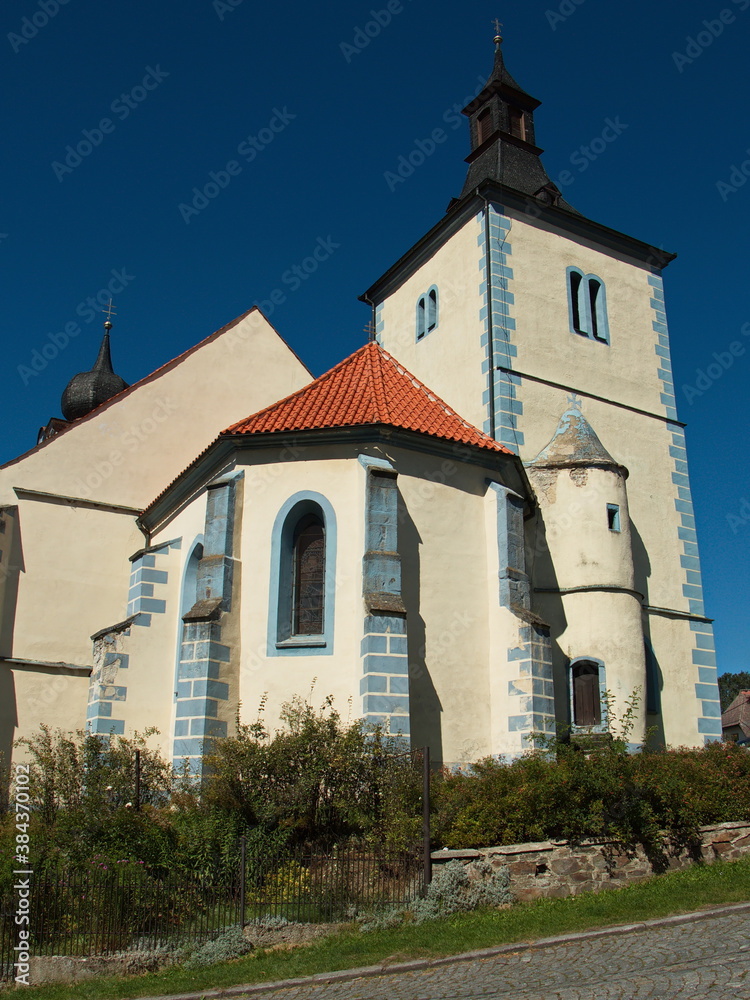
(110, 311)
(498, 31)
(575, 401)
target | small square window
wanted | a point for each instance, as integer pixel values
(613, 517)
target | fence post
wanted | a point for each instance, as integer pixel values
(426, 816)
(137, 796)
(243, 877)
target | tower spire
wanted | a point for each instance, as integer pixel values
(90, 389)
(503, 139)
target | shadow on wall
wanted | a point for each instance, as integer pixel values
(11, 567)
(8, 721)
(10, 570)
(549, 607)
(654, 684)
(641, 562)
(424, 705)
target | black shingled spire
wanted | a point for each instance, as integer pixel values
(503, 141)
(87, 390)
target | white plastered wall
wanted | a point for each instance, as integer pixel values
(625, 372)
(448, 360)
(444, 544)
(74, 570)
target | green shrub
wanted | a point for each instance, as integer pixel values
(655, 800)
(318, 779)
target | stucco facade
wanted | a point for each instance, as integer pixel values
(509, 550)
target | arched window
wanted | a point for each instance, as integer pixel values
(190, 579)
(587, 305)
(188, 597)
(432, 310)
(586, 690)
(575, 278)
(421, 317)
(427, 312)
(308, 575)
(303, 575)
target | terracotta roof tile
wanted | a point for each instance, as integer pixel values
(368, 387)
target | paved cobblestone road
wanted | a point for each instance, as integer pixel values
(703, 960)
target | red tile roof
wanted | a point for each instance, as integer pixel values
(369, 387)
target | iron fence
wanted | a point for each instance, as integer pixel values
(108, 909)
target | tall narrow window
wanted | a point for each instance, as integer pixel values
(587, 705)
(301, 614)
(484, 126)
(517, 125)
(587, 305)
(595, 288)
(308, 574)
(421, 317)
(575, 279)
(427, 312)
(432, 310)
(613, 517)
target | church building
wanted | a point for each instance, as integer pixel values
(476, 528)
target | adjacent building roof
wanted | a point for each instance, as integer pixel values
(738, 714)
(368, 388)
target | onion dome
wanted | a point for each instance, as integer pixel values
(87, 390)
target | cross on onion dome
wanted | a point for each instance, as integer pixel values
(110, 311)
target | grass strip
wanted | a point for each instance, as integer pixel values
(661, 896)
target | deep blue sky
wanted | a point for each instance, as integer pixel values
(232, 66)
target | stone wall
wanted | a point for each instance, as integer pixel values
(553, 869)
